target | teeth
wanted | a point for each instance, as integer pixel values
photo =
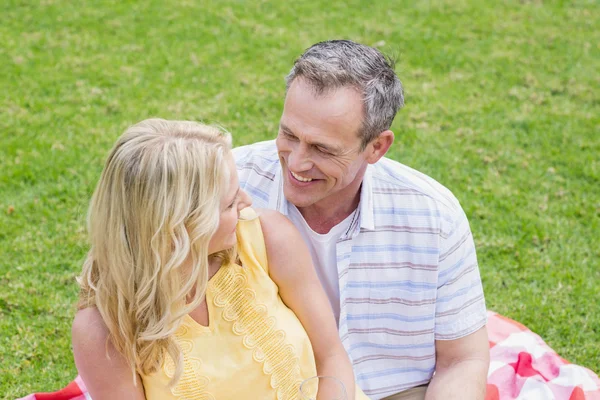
(301, 179)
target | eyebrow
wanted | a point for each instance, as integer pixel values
(327, 147)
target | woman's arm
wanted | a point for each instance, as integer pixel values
(105, 378)
(291, 268)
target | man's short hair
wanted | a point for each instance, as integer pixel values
(333, 64)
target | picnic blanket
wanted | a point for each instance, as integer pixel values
(522, 367)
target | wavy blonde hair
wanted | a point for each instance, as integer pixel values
(150, 221)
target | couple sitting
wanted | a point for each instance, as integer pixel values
(187, 293)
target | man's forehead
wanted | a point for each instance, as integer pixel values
(333, 116)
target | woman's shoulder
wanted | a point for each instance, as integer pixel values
(89, 328)
(105, 372)
(89, 336)
(275, 225)
(263, 236)
(283, 242)
(279, 232)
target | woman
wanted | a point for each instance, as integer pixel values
(178, 299)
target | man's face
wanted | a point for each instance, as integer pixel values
(319, 147)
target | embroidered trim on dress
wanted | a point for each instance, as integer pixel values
(192, 385)
(259, 332)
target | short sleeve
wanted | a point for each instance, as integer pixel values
(460, 304)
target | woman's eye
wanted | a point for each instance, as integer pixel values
(234, 202)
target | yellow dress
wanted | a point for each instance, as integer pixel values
(254, 346)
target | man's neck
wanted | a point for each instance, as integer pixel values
(329, 212)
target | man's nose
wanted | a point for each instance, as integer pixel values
(299, 158)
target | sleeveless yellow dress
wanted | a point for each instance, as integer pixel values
(254, 346)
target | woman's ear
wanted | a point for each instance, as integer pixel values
(379, 146)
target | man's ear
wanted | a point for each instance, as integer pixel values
(379, 146)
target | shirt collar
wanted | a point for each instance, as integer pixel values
(367, 218)
(277, 200)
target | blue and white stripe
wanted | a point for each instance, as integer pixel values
(407, 267)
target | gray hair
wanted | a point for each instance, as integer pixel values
(336, 63)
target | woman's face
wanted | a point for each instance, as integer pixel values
(234, 200)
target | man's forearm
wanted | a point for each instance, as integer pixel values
(464, 380)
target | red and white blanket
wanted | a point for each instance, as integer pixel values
(522, 367)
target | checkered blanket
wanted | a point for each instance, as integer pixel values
(522, 367)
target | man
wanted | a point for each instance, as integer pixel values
(392, 247)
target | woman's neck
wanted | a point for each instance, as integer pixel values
(214, 264)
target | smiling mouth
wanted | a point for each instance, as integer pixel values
(301, 178)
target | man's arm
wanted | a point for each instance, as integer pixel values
(461, 341)
(461, 368)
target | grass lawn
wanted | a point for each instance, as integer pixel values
(502, 107)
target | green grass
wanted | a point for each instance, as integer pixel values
(502, 106)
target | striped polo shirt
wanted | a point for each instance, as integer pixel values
(407, 268)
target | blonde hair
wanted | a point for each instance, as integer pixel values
(150, 221)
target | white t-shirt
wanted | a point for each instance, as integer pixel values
(322, 250)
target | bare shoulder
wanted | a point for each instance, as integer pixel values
(286, 249)
(105, 372)
(273, 221)
(279, 232)
(89, 327)
(89, 336)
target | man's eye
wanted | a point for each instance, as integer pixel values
(324, 150)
